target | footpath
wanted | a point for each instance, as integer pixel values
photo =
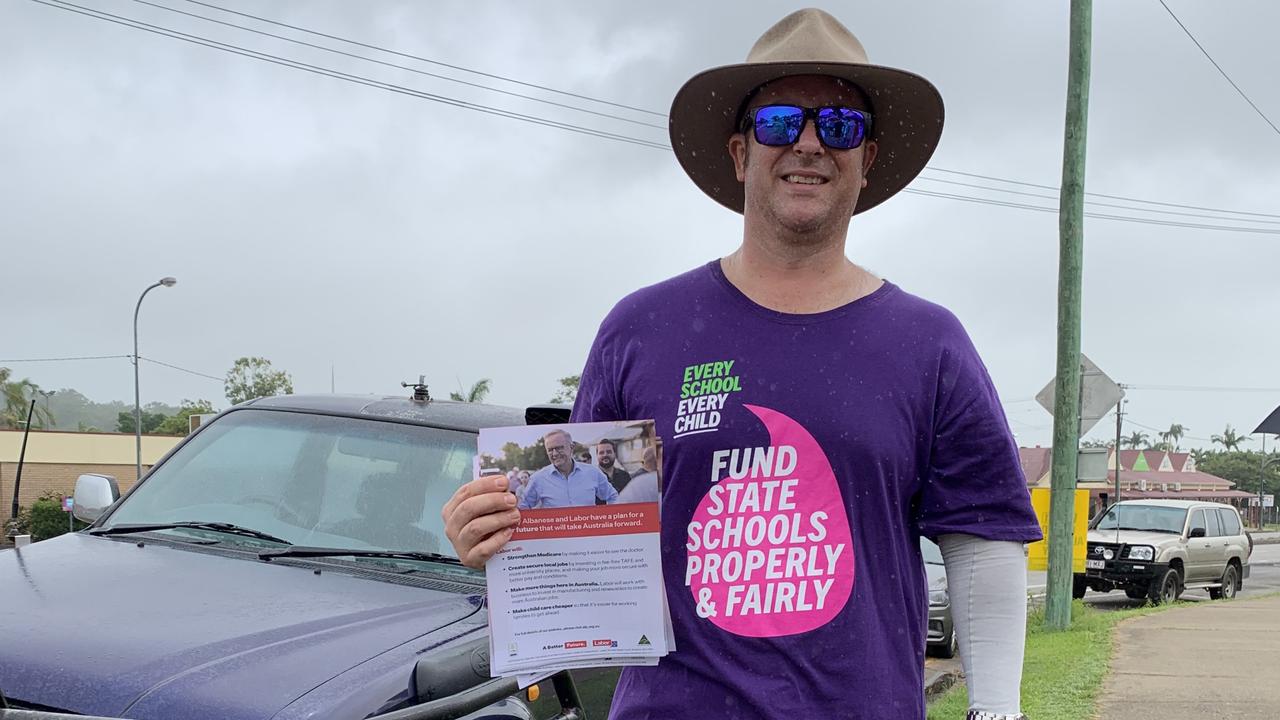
(1214, 660)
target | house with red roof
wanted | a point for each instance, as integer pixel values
(1144, 474)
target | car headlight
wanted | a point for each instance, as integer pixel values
(938, 597)
(1142, 552)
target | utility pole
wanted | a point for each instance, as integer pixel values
(1066, 416)
(1119, 425)
(1262, 481)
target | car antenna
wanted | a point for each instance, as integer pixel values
(420, 393)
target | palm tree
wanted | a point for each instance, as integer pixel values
(1172, 436)
(478, 392)
(1135, 439)
(1229, 439)
(16, 396)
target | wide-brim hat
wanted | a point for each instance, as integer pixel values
(906, 109)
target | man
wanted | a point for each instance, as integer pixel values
(521, 485)
(565, 482)
(816, 419)
(607, 458)
(644, 486)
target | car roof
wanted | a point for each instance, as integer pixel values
(1184, 504)
(401, 408)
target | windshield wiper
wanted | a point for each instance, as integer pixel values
(319, 552)
(223, 527)
(1160, 530)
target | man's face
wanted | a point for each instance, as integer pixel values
(779, 186)
(605, 455)
(559, 450)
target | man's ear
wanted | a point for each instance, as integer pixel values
(738, 151)
(869, 149)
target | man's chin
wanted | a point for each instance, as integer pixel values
(804, 216)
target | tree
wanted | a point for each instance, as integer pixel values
(180, 423)
(74, 411)
(16, 396)
(1243, 468)
(1172, 436)
(151, 422)
(253, 377)
(568, 391)
(1135, 439)
(478, 392)
(529, 458)
(1229, 439)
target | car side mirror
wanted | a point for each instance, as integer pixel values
(94, 494)
(1196, 533)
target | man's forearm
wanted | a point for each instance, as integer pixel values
(987, 582)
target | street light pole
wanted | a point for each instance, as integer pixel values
(1262, 481)
(137, 393)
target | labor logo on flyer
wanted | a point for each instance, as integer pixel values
(580, 580)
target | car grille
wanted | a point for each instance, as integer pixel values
(1097, 551)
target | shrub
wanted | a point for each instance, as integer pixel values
(46, 519)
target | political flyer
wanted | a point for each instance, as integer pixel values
(579, 584)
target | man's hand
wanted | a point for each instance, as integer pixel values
(480, 518)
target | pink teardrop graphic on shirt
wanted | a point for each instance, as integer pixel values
(770, 552)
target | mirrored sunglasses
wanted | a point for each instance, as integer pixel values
(840, 128)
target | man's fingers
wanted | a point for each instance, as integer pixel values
(485, 525)
(477, 506)
(484, 550)
(479, 486)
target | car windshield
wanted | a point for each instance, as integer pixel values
(932, 555)
(312, 480)
(1155, 518)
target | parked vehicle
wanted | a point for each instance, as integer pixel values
(287, 560)
(941, 638)
(1157, 549)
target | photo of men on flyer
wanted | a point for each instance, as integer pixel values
(585, 464)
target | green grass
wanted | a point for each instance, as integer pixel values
(1062, 671)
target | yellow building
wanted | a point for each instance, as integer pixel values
(55, 459)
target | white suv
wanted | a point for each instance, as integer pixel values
(1156, 549)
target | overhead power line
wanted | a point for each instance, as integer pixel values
(654, 113)
(65, 359)
(1100, 216)
(589, 98)
(110, 357)
(336, 74)
(1093, 203)
(1203, 388)
(400, 67)
(1101, 195)
(362, 80)
(185, 370)
(425, 60)
(1130, 421)
(1219, 68)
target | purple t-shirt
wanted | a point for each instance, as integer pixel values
(803, 456)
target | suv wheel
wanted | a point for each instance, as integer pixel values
(1166, 587)
(1228, 589)
(1078, 587)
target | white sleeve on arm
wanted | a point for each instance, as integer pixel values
(987, 582)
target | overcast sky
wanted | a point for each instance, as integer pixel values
(324, 224)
